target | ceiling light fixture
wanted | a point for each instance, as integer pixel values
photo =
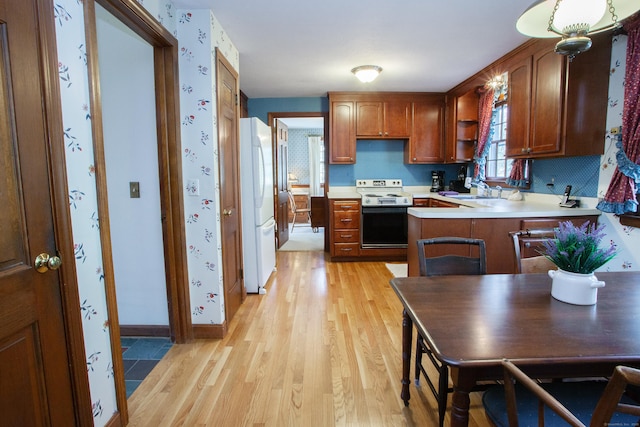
(367, 73)
(574, 21)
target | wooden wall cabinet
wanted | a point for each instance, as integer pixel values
(556, 107)
(344, 220)
(416, 117)
(426, 143)
(383, 119)
(342, 131)
(463, 134)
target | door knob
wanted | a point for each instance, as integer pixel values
(227, 212)
(44, 262)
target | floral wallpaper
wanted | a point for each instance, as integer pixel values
(621, 235)
(72, 69)
(85, 224)
(199, 33)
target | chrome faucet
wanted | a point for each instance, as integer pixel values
(485, 191)
(497, 187)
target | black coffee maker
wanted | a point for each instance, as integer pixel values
(437, 181)
(458, 184)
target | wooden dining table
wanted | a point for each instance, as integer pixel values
(472, 322)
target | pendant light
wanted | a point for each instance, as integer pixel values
(574, 21)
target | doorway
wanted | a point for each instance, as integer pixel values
(133, 188)
(306, 166)
(168, 162)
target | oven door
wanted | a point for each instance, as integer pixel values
(384, 227)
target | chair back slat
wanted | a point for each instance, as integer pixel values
(449, 264)
(527, 245)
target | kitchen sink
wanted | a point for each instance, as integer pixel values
(471, 197)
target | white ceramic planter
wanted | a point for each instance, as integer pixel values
(575, 288)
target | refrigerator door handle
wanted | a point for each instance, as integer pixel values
(269, 224)
(262, 182)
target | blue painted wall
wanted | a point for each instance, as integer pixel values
(261, 107)
(580, 172)
(384, 159)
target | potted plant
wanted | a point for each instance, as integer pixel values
(577, 253)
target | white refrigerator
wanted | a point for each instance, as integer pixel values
(258, 223)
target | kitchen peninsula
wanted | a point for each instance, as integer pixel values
(490, 220)
(433, 215)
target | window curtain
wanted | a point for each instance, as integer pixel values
(315, 159)
(621, 195)
(485, 130)
(517, 177)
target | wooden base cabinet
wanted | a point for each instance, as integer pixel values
(344, 217)
(494, 232)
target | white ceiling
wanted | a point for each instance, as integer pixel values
(303, 48)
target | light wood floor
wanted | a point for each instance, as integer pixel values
(321, 348)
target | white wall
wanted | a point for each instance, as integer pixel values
(130, 139)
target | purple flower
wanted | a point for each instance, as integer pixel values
(576, 249)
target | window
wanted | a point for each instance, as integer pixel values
(498, 166)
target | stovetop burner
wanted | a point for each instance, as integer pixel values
(383, 192)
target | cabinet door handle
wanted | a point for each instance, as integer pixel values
(346, 236)
(346, 249)
(346, 207)
(386, 133)
(379, 133)
(346, 220)
(351, 159)
(524, 150)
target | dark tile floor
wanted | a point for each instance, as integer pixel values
(140, 355)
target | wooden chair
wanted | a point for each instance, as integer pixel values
(447, 264)
(295, 210)
(526, 246)
(575, 406)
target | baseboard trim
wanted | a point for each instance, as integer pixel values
(145, 331)
(114, 421)
(210, 331)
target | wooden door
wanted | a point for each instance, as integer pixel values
(281, 171)
(228, 113)
(35, 384)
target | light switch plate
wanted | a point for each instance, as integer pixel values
(134, 190)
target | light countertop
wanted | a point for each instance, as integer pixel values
(534, 205)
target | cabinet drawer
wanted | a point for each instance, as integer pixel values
(346, 236)
(421, 202)
(346, 205)
(346, 220)
(346, 249)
